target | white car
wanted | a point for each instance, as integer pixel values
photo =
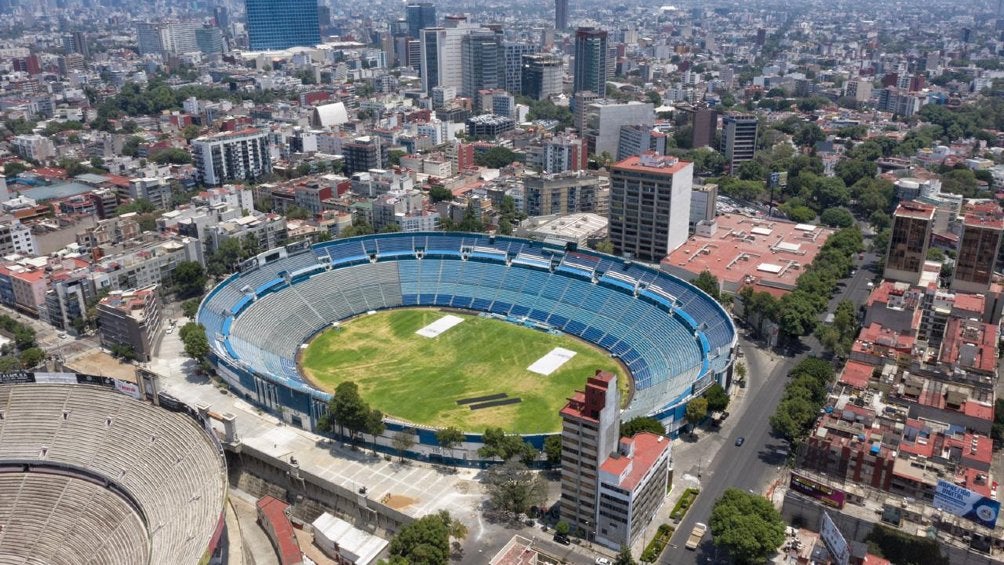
(170, 330)
(603, 561)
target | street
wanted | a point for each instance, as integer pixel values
(756, 463)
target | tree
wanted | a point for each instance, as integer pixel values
(697, 410)
(793, 417)
(14, 168)
(32, 357)
(747, 525)
(513, 489)
(439, 193)
(350, 411)
(297, 213)
(853, 170)
(809, 135)
(797, 314)
(552, 449)
(717, 398)
(189, 278)
(838, 217)
(190, 132)
(605, 246)
(449, 438)
(654, 97)
(190, 308)
(752, 170)
(902, 548)
(496, 157)
(402, 441)
(707, 282)
(505, 446)
(172, 155)
(425, 541)
(642, 424)
(624, 557)
(562, 528)
(394, 157)
(193, 336)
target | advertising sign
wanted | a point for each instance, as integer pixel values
(127, 388)
(834, 540)
(825, 494)
(967, 504)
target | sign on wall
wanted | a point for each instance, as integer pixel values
(967, 504)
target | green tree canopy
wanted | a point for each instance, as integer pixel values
(707, 282)
(189, 278)
(505, 446)
(425, 541)
(718, 399)
(513, 489)
(642, 424)
(747, 525)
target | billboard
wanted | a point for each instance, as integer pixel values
(825, 494)
(967, 504)
(834, 540)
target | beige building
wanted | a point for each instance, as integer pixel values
(130, 318)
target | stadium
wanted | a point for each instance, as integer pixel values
(672, 339)
(91, 475)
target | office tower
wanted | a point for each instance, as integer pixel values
(364, 153)
(604, 120)
(591, 61)
(978, 248)
(228, 156)
(738, 139)
(640, 138)
(420, 15)
(761, 37)
(76, 42)
(441, 63)
(151, 38)
(561, 14)
(704, 125)
(649, 205)
(558, 154)
(323, 17)
(908, 244)
(281, 24)
(590, 428)
(580, 106)
(209, 40)
(541, 76)
(514, 53)
(222, 17)
(482, 62)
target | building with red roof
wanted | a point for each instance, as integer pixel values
(273, 519)
(632, 486)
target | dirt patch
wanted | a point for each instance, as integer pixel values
(397, 501)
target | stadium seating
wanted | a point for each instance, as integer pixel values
(653, 322)
(166, 463)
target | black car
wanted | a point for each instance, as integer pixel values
(562, 539)
(740, 440)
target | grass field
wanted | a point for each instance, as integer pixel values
(420, 379)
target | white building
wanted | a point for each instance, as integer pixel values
(34, 147)
(604, 119)
(345, 543)
(650, 205)
(155, 189)
(16, 238)
(240, 155)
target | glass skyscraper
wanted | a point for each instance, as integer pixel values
(280, 24)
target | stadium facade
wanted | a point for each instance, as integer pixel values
(674, 339)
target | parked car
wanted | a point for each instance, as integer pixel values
(604, 561)
(562, 539)
(740, 440)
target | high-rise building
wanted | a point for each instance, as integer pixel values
(580, 107)
(704, 125)
(649, 205)
(859, 89)
(151, 38)
(541, 76)
(590, 428)
(364, 153)
(482, 62)
(739, 133)
(227, 156)
(420, 15)
(591, 61)
(281, 24)
(908, 244)
(210, 40)
(640, 138)
(441, 63)
(130, 319)
(222, 17)
(76, 42)
(16, 238)
(611, 487)
(514, 52)
(604, 120)
(978, 248)
(561, 14)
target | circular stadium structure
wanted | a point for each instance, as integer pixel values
(90, 475)
(674, 339)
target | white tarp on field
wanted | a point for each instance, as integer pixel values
(550, 362)
(439, 326)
